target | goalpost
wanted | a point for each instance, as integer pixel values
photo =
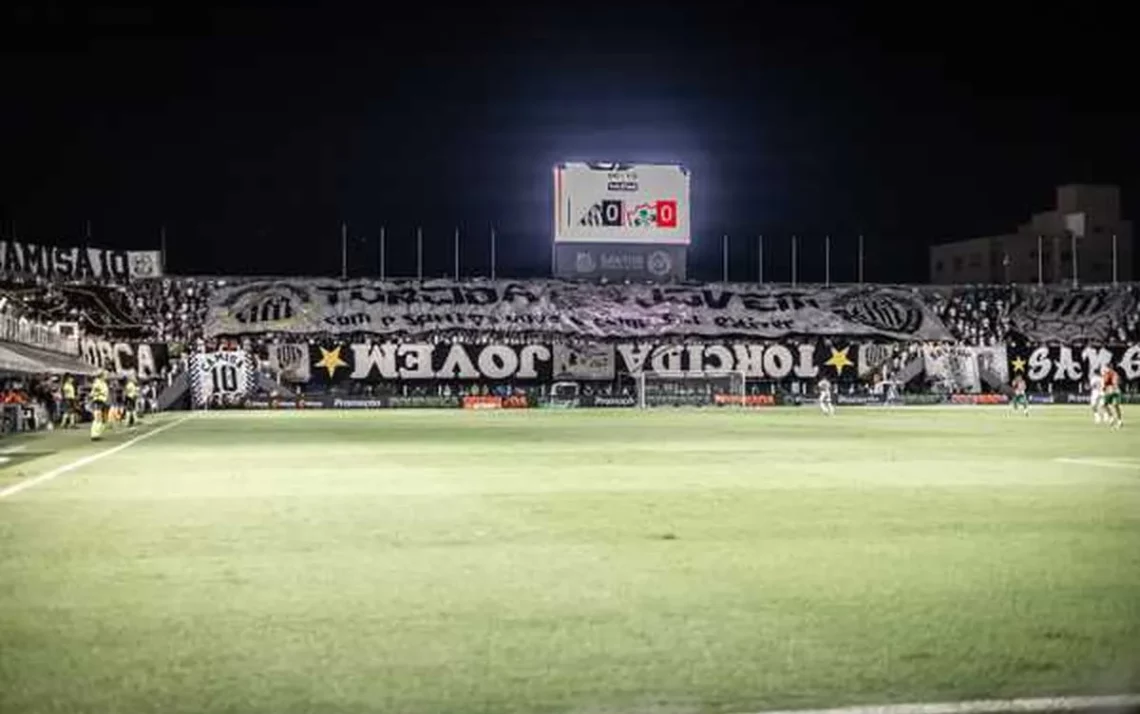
(891, 391)
(676, 389)
(564, 394)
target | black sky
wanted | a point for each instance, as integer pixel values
(252, 133)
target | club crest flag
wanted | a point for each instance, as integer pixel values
(290, 362)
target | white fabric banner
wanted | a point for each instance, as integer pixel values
(568, 309)
(957, 369)
(225, 375)
(586, 361)
(1057, 314)
(291, 362)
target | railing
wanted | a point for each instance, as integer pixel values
(37, 334)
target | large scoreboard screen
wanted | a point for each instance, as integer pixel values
(621, 203)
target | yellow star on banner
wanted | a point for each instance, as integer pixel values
(1018, 364)
(330, 360)
(839, 359)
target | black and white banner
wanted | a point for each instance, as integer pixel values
(955, 368)
(568, 309)
(77, 263)
(415, 361)
(142, 360)
(586, 361)
(876, 356)
(504, 362)
(1070, 368)
(1067, 315)
(291, 362)
(229, 376)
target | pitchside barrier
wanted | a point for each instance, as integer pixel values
(629, 401)
(657, 373)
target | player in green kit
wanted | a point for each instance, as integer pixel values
(1111, 381)
(1020, 400)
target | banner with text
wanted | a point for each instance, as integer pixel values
(372, 362)
(1070, 368)
(76, 263)
(143, 360)
(568, 309)
(221, 377)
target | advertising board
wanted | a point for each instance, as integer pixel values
(623, 261)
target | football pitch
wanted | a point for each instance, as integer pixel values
(609, 561)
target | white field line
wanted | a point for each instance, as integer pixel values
(1116, 703)
(80, 463)
(1133, 465)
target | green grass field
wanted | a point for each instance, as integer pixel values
(430, 562)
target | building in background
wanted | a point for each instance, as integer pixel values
(1086, 217)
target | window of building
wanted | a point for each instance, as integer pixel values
(957, 264)
(938, 266)
(976, 260)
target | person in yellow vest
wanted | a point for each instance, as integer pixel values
(70, 405)
(131, 401)
(100, 405)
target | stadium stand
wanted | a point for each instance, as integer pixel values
(174, 309)
(153, 328)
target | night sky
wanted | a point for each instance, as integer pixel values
(252, 134)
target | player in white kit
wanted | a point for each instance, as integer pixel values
(1096, 398)
(826, 403)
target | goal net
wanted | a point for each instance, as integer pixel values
(564, 394)
(657, 389)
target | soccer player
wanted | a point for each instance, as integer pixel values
(1096, 398)
(826, 404)
(131, 401)
(1019, 399)
(1111, 381)
(100, 405)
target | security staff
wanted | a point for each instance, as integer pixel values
(70, 403)
(100, 405)
(131, 401)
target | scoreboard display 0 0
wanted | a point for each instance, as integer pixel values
(621, 203)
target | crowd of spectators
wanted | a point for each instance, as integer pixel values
(173, 310)
(21, 404)
(982, 315)
(976, 316)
